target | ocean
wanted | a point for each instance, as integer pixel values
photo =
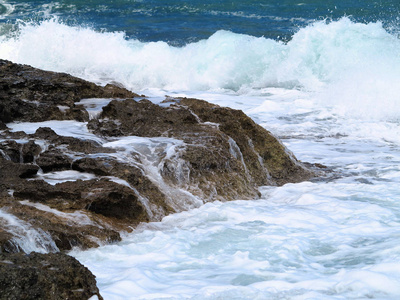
(323, 76)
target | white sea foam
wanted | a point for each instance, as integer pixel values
(94, 106)
(64, 176)
(306, 239)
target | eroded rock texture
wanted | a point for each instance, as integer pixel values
(30, 94)
(45, 276)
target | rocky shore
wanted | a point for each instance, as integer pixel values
(132, 161)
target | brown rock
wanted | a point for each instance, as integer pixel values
(45, 276)
(53, 160)
(226, 154)
(11, 172)
(6, 245)
(255, 143)
(223, 155)
(29, 94)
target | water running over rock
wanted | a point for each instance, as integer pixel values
(143, 160)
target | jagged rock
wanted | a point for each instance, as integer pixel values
(45, 133)
(227, 154)
(135, 117)
(11, 150)
(53, 160)
(29, 94)
(45, 276)
(29, 151)
(66, 223)
(2, 125)
(132, 175)
(11, 172)
(33, 95)
(6, 246)
(256, 143)
(73, 144)
(214, 173)
(110, 206)
(107, 206)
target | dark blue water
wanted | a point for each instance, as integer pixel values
(181, 22)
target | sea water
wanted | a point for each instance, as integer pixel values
(323, 76)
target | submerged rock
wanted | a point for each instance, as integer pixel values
(45, 276)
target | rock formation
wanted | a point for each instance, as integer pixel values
(191, 152)
(29, 94)
(138, 162)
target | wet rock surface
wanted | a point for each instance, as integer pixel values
(224, 147)
(139, 162)
(191, 152)
(45, 276)
(29, 94)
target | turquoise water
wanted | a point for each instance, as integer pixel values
(321, 75)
